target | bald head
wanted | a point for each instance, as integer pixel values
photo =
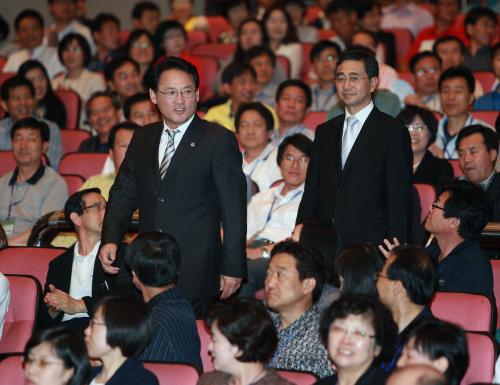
(417, 375)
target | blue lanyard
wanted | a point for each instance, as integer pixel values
(327, 99)
(447, 137)
(272, 209)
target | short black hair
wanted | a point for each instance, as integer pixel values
(415, 59)
(320, 46)
(291, 32)
(68, 346)
(228, 4)
(364, 7)
(132, 101)
(458, 72)
(435, 339)
(173, 63)
(245, 323)
(358, 265)
(129, 324)
(299, 3)
(26, 13)
(235, 69)
(299, 141)
(295, 83)
(372, 35)
(258, 107)
(82, 42)
(260, 50)
(100, 94)
(155, 258)
(364, 55)
(416, 271)
(476, 13)
(33, 124)
(102, 18)
(75, 204)
(494, 50)
(469, 203)
(143, 6)
(14, 82)
(114, 64)
(490, 137)
(370, 308)
(29, 65)
(126, 125)
(308, 262)
(448, 39)
(340, 6)
(409, 113)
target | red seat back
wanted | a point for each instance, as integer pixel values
(495, 266)
(205, 339)
(12, 368)
(195, 37)
(7, 162)
(84, 164)
(219, 50)
(489, 117)
(74, 182)
(326, 34)
(427, 196)
(28, 261)
(173, 374)
(486, 78)
(6, 75)
(21, 316)
(403, 38)
(216, 25)
(457, 172)
(124, 34)
(306, 67)
(3, 60)
(71, 139)
(312, 13)
(285, 63)
(473, 312)
(314, 119)
(407, 76)
(72, 104)
(210, 66)
(482, 355)
(298, 378)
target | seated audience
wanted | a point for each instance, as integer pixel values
(118, 331)
(146, 15)
(323, 56)
(293, 285)
(139, 109)
(406, 286)
(75, 279)
(417, 375)
(406, 14)
(29, 29)
(271, 213)
(456, 89)
(440, 345)
(181, 11)
(477, 148)
(344, 20)
(425, 67)
(243, 342)
(123, 78)
(293, 100)
(263, 61)
(358, 332)
(81, 13)
(106, 34)
(4, 300)
(56, 356)
(103, 115)
(254, 126)
(49, 106)
(422, 125)
(18, 100)
(283, 38)
(481, 29)
(74, 53)
(491, 100)
(141, 48)
(297, 10)
(154, 260)
(32, 189)
(234, 11)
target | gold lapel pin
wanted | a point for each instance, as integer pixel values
(192, 144)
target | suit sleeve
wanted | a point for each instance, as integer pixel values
(231, 188)
(123, 198)
(399, 182)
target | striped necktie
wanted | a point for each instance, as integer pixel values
(348, 138)
(169, 152)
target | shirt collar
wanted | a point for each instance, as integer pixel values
(182, 128)
(93, 253)
(486, 183)
(291, 194)
(34, 178)
(262, 156)
(362, 114)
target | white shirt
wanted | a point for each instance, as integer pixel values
(361, 116)
(295, 54)
(271, 215)
(4, 299)
(409, 16)
(264, 169)
(44, 54)
(76, 27)
(82, 273)
(177, 139)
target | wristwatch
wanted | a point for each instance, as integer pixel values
(265, 252)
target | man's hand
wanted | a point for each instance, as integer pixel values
(228, 286)
(388, 246)
(438, 152)
(60, 301)
(107, 256)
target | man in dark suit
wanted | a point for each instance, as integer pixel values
(184, 174)
(360, 171)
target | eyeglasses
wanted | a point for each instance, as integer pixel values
(141, 45)
(423, 71)
(42, 363)
(93, 322)
(326, 59)
(303, 159)
(356, 335)
(96, 206)
(416, 127)
(352, 78)
(435, 206)
(172, 94)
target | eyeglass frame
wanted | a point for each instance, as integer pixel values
(177, 92)
(354, 79)
(416, 127)
(354, 334)
(302, 159)
(97, 205)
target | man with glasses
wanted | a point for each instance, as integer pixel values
(360, 170)
(185, 176)
(75, 282)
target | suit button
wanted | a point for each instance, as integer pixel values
(161, 200)
(160, 230)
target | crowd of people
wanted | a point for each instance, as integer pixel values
(303, 248)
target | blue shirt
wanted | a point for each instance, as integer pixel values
(488, 102)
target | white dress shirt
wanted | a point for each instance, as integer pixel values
(4, 300)
(264, 169)
(177, 139)
(361, 117)
(82, 273)
(44, 54)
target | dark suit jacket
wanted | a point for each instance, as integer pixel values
(433, 171)
(494, 198)
(131, 372)
(204, 186)
(370, 199)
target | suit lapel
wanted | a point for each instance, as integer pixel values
(337, 145)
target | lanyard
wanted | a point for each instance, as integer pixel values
(447, 137)
(257, 162)
(272, 209)
(13, 204)
(327, 99)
